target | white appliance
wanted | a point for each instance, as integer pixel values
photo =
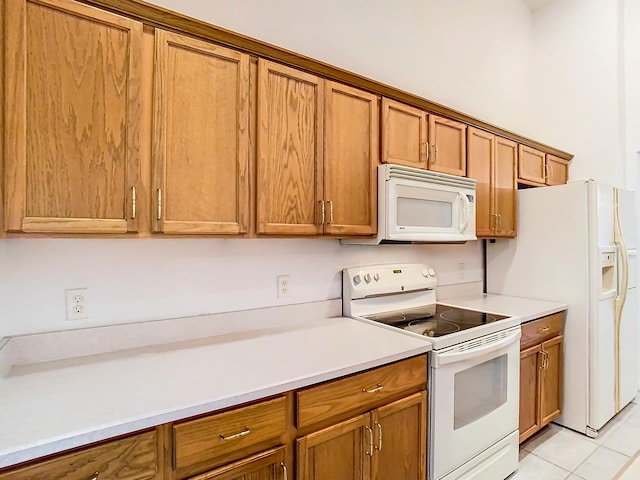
(474, 369)
(416, 205)
(577, 244)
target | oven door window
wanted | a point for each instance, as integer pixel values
(479, 391)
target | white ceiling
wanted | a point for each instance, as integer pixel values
(537, 4)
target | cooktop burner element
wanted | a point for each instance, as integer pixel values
(435, 320)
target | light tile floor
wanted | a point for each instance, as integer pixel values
(557, 453)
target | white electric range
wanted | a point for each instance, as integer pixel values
(475, 367)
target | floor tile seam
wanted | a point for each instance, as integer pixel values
(552, 463)
(585, 460)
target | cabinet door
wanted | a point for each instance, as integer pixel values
(400, 439)
(481, 149)
(531, 166)
(448, 141)
(557, 170)
(289, 157)
(72, 118)
(350, 160)
(269, 465)
(505, 187)
(529, 391)
(404, 134)
(551, 381)
(200, 137)
(342, 451)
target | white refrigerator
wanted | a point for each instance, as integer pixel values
(576, 244)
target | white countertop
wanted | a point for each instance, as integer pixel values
(63, 403)
(526, 309)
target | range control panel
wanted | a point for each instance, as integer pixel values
(361, 282)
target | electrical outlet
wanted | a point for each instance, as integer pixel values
(283, 286)
(77, 306)
(461, 270)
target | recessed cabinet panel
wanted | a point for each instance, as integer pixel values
(72, 118)
(350, 160)
(557, 170)
(200, 149)
(506, 186)
(447, 140)
(531, 165)
(480, 167)
(404, 134)
(289, 158)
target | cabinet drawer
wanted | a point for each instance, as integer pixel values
(542, 329)
(212, 440)
(130, 458)
(360, 392)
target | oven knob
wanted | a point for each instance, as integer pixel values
(376, 276)
(357, 279)
(432, 272)
(367, 277)
(425, 273)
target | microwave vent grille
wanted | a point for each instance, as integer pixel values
(416, 174)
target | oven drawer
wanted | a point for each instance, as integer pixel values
(542, 329)
(360, 392)
(212, 440)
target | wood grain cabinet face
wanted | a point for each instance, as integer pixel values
(200, 137)
(492, 163)
(447, 140)
(130, 458)
(350, 160)
(71, 118)
(404, 134)
(269, 465)
(557, 170)
(531, 166)
(289, 151)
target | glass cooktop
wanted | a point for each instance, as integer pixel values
(435, 320)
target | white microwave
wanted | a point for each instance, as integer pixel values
(421, 206)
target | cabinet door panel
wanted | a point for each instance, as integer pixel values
(200, 144)
(448, 140)
(400, 439)
(529, 392)
(289, 159)
(551, 381)
(531, 165)
(404, 134)
(72, 117)
(505, 186)
(269, 465)
(350, 160)
(336, 452)
(481, 148)
(558, 170)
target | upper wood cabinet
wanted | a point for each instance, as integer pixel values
(72, 118)
(350, 160)
(200, 137)
(492, 162)
(289, 151)
(537, 168)
(447, 140)
(404, 134)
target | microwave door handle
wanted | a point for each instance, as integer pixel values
(465, 202)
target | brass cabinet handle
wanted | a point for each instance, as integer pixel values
(541, 352)
(159, 204)
(285, 476)
(543, 329)
(426, 151)
(322, 212)
(133, 202)
(545, 175)
(330, 211)
(243, 433)
(95, 476)
(370, 452)
(379, 447)
(494, 221)
(546, 359)
(377, 388)
(435, 158)
(550, 171)
(499, 221)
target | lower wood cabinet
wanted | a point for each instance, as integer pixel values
(386, 443)
(540, 373)
(269, 465)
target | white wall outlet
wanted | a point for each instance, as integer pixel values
(77, 305)
(283, 286)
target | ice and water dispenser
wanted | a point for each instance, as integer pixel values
(609, 279)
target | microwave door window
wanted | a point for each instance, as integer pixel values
(414, 212)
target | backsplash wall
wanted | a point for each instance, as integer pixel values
(148, 279)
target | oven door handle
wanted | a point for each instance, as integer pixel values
(457, 355)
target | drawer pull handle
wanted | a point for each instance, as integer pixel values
(284, 471)
(243, 433)
(370, 452)
(95, 476)
(543, 329)
(373, 390)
